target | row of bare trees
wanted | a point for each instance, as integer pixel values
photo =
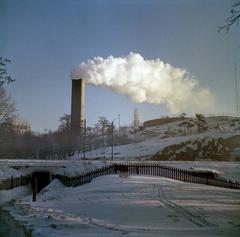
(56, 144)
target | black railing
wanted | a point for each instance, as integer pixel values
(86, 177)
(176, 173)
(14, 182)
(150, 170)
(131, 169)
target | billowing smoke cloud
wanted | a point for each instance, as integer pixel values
(151, 81)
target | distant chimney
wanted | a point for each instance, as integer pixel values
(136, 122)
(77, 108)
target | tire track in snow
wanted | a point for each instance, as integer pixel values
(67, 218)
(197, 220)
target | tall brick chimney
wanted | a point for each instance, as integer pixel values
(77, 107)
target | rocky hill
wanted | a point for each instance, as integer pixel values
(201, 149)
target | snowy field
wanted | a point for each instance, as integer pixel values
(132, 206)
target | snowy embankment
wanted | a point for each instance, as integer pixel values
(133, 206)
(151, 146)
(228, 170)
(16, 168)
(225, 169)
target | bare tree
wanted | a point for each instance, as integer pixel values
(65, 123)
(4, 76)
(234, 18)
(64, 135)
(7, 106)
(102, 126)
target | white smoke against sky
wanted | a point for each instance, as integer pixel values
(150, 81)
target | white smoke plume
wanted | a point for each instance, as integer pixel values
(150, 81)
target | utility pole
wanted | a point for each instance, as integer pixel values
(112, 138)
(236, 86)
(118, 122)
(102, 134)
(84, 140)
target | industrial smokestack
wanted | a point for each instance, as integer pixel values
(77, 107)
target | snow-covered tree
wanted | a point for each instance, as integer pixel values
(201, 122)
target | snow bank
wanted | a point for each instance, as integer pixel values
(65, 167)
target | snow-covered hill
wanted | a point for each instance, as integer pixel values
(152, 140)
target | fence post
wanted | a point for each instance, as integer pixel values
(34, 190)
(11, 185)
(81, 179)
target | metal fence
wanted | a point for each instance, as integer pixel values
(149, 170)
(14, 182)
(87, 177)
(130, 169)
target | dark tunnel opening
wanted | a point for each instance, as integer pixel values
(41, 178)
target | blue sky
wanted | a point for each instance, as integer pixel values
(46, 39)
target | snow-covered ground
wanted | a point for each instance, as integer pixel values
(132, 206)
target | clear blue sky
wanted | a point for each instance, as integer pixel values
(46, 39)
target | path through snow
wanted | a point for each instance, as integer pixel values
(133, 206)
